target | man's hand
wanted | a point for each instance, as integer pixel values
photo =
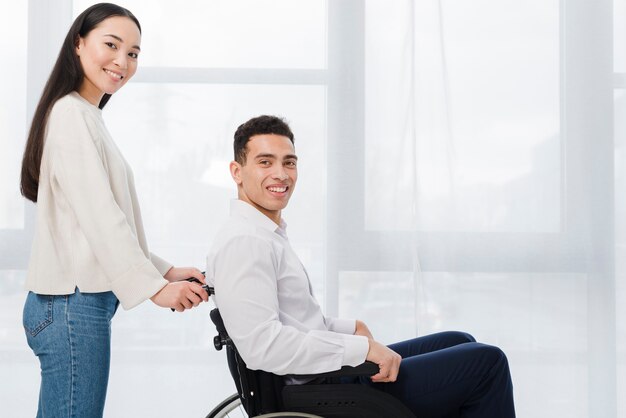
(362, 329)
(181, 273)
(388, 361)
(180, 295)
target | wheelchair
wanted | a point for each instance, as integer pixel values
(264, 395)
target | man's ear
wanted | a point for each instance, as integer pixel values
(235, 171)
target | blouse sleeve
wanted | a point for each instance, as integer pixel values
(79, 172)
(161, 265)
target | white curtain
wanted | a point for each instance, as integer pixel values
(492, 174)
(462, 167)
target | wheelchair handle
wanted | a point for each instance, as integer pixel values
(209, 289)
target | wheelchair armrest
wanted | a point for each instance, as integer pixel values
(364, 369)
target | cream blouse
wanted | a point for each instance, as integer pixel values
(89, 232)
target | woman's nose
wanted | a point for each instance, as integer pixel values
(121, 61)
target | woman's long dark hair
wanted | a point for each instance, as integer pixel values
(67, 76)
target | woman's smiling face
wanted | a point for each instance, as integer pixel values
(108, 56)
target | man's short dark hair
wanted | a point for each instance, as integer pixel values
(261, 125)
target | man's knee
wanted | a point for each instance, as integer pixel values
(494, 356)
(460, 337)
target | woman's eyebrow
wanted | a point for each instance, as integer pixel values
(121, 40)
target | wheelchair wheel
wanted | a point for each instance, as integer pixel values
(229, 407)
(288, 415)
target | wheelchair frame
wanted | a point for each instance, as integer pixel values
(265, 395)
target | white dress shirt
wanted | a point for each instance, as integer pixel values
(89, 232)
(264, 296)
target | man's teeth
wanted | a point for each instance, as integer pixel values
(277, 189)
(111, 73)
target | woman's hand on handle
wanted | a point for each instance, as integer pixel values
(176, 274)
(180, 295)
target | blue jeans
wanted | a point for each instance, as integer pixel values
(71, 336)
(449, 374)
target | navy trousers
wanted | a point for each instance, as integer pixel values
(449, 374)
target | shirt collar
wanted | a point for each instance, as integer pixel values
(249, 212)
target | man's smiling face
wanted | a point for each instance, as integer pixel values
(268, 177)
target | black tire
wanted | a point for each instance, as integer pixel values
(229, 407)
(288, 415)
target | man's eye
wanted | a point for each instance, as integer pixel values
(290, 164)
(264, 162)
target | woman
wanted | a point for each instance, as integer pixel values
(89, 249)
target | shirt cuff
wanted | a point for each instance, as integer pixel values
(137, 285)
(356, 348)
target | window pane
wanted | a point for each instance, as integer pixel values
(13, 31)
(385, 301)
(19, 393)
(462, 116)
(230, 34)
(538, 319)
(178, 139)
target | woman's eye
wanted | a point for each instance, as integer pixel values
(111, 45)
(133, 55)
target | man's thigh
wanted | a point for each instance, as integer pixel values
(438, 382)
(430, 343)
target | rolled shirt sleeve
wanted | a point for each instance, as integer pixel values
(342, 325)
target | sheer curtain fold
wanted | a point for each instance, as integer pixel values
(470, 173)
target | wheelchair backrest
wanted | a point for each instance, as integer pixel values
(260, 391)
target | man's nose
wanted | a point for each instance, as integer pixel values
(280, 173)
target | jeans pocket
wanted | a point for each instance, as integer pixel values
(37, 313)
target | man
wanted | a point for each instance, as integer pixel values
(264, 296)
